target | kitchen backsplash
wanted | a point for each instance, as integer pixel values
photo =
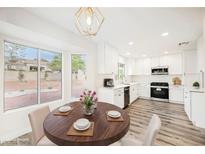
(187, 80)
(147, 79)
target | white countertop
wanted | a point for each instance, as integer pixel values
(122, 85)
(192, 89)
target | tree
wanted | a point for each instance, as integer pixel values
(56, 63)
(77, 64)
(14, 51)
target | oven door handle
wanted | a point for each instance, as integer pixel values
(158, 89)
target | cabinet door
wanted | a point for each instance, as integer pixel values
(164, 60)
(197, 109)
(132, 94)
(155, 61)
(145, 91)
(131, 66)
(175, 64)
(176, 95)
(139, 65)
(187, 103)
(146, 66)
(119, 100)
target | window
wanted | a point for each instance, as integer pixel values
(79, 74)
(21, 76)
(121, 71)
(50, 66)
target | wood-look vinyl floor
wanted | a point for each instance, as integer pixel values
(176, 128)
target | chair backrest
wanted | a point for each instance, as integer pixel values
(152, 130)
(36, 119)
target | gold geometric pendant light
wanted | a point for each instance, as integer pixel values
(88, 20)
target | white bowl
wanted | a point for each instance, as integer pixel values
(64, 109)
(114, 114)
(82, 123)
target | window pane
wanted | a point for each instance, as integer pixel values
(50, 66)
(79, 75)
(121, 71)
(20, 81)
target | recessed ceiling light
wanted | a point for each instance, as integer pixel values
(166, 52)
(144, 55)
(165, 34)
(127, 53)
(131, 43)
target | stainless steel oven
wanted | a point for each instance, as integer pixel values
(160, 91)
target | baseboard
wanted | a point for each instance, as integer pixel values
(13, 135)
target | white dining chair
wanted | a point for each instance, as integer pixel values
(36, 120)
(149, 137)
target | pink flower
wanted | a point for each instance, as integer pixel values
(89, 92)
(93, 94)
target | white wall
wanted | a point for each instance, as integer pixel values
(201, 50)
(19, 26)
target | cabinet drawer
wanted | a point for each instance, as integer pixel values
(118, 91)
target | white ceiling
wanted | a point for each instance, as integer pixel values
(143, 26)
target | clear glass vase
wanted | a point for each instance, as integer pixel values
(88, 110)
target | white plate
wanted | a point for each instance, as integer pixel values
(114, 114)
(64, 109)
(82, 123)
(81, 129)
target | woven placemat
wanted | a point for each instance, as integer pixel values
(58, 113)
(120, 119)
(73, 132)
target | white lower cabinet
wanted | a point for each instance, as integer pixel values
(119, 97)
(133, 93)
(176, 94)
(187, 103)
(198, 108)
(112, 96)
(144, 91)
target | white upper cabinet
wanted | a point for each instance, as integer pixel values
(131, 67)
(107, 59)
(155, 62)
(174, 63)
(143, 66)
(147, 66)
(190, 62)
(164, 60)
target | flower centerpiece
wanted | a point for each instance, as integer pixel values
(89, 100)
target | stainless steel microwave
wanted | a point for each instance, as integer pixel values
(162, 70)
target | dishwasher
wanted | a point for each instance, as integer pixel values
(126, 96)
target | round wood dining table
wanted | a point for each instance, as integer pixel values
(105, 132)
